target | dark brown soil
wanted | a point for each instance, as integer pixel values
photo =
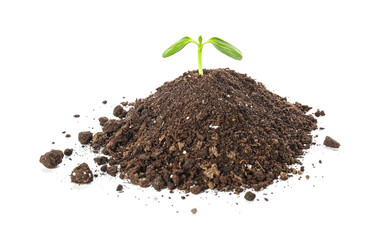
(119, 112)
(319, 113)
(85, 137)
(102, 120)
(101, 160)
(119, 188)
(76, 115)
(222, 130)
(68, 151)
(52, 159)
(82, 174)
(249, 196)
(330, 142)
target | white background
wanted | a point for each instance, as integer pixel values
(59, 58)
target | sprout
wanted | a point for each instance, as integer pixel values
(222, 46)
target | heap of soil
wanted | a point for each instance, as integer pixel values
(222, 130)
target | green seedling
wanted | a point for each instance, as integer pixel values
(222, 46)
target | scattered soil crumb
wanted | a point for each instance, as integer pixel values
(104, 102)
(67, 135)
(249, 196)
(307, 176)
(76, 115)
(319, 113)
(194, 210)
(119, 188)
(82, 174)
(330, 142)
(68, 151)
(52, 159)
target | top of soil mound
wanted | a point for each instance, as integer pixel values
(222, 130)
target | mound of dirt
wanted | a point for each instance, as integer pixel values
(222, 130)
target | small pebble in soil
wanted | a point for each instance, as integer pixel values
(249, 196)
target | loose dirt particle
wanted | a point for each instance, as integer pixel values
(249, 196)
(330, 142)
(82, 174)
(68, 151)
(194, 210)
(76, 115)
(307, 176)
(52, 159)
(85, 137)
(67, 135)
(319, 113)
(119, 188)
(104, 102)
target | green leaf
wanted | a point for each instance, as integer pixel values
(177, 46)
(226, 48)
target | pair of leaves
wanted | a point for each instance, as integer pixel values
(221, 45)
